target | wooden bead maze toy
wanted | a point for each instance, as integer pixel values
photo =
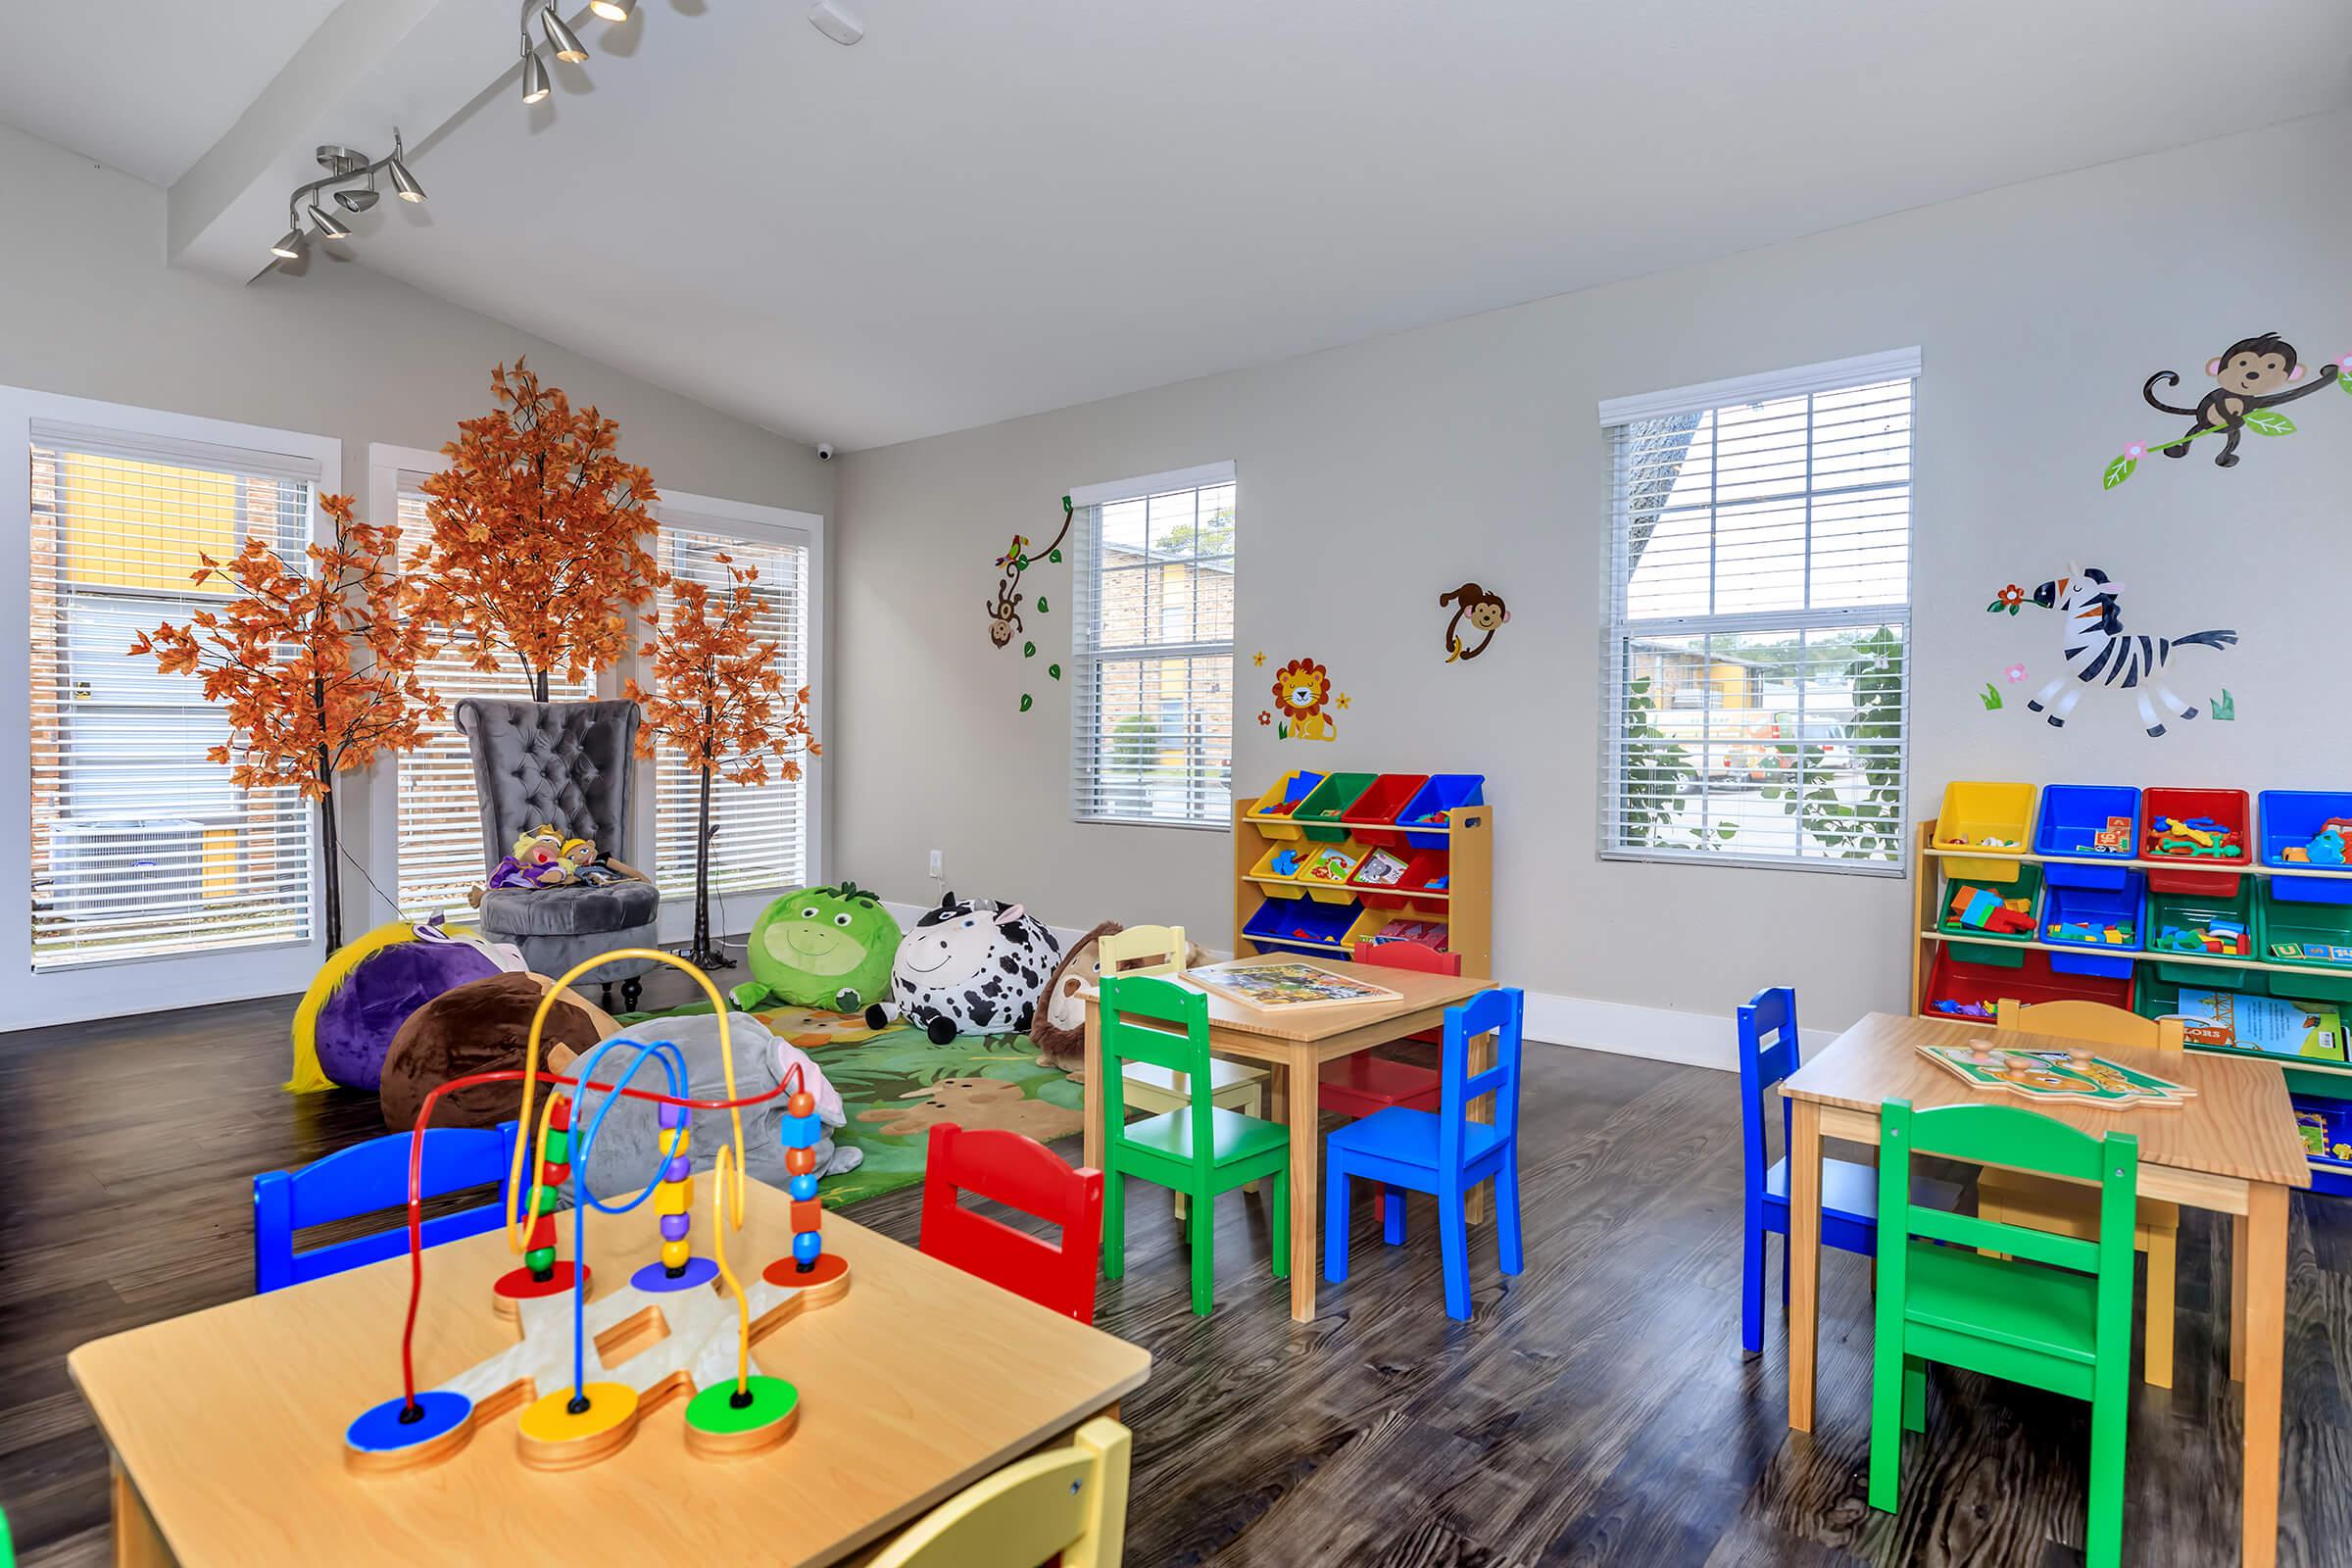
(667, 1329)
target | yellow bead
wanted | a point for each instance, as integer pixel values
(676, 1253)
(675, 1197)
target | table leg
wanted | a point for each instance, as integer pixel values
(1804, 1259)
(1481, 1055)
(2261, 1331)
(139, 1543)
(1093, 1060)
(1301, 1081)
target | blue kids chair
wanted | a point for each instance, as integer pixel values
(1850, 1199)
(363, 1179)
(1445, 1155)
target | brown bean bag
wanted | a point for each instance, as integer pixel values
(481, 1026)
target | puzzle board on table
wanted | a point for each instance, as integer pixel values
(2077, 1077)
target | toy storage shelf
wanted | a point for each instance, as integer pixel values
(1269, 911)
(2115, 862)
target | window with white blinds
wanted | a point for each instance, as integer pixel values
(759, 833)
(1151, 649)
(440, 848)
(1755, 674)
(142, 847)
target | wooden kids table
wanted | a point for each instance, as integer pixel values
(2232, 1149)
(226, 1425)
(1299, 1044)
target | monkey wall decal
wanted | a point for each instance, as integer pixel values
(2252, 378)
(1483, 609)
(1003, 611)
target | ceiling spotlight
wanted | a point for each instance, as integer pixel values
(534, 75)
(610, 10)
(290, 248)
(560, 37)
(329, 227)
(357, 201)
(404, 183)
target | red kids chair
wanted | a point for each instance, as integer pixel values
(1020, 1173)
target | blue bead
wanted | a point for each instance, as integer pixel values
(808, 1246)
(801, 1188)
(799, 1132)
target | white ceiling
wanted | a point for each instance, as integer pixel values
(144, 86)
(985, 209)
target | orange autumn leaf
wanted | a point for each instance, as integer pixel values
(717, 694)
(536, 549)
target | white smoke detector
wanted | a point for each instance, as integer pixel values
(836, 22)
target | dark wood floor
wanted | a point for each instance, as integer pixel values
(1597, 1411)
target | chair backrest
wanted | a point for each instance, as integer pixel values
(1498, 1012)
(2094, 1021)
(2022, 1140)
(363, 1179)
(1408, 956)
(1069, 1500)
(1143, 949)
(1020, 1173)
(1769, 1052)
(565, 765)
(1146, 1018)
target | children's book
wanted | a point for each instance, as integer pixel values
(2275, 1024)
(1380, 869)
(1287, 987)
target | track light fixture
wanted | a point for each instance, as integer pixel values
(354, 172)
(535, 86)
(610, 10)
(559, 37)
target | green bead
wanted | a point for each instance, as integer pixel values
(547, 1201)
(539, 1259)
(556, 1148)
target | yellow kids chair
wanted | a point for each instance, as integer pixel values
(1069, 1500)
(1160, 950)
(2011, 1198)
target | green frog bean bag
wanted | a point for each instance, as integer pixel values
(826, 948)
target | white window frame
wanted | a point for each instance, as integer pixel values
(131, 985)
(783, 526)
(1830, 375)
(1085, 602)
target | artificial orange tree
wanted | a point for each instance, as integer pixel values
(537, 544)
(316, 668)
(718, 698)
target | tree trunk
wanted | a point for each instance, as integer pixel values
(539, 680)
(330, 860)
(704, 955)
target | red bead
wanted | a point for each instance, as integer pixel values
(800, 1161)
(562, 1119)
(808, 1214)
(801, 1104)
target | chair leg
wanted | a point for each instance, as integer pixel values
(1336, 1200)
(1914, 1394)
(1506, 1215)
(1886, 1378)
(2103, 1527)
(1453, 1250)
(1392, 1215)
(1752, 1290)
(1204, 1240)
(2163, 1259)
(1255, 1106)
(1280, 1225)
(1114, 1221)
(631, 990)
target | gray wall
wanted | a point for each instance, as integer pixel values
(1376, 476)
(88, 308)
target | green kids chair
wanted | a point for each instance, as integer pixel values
(1199, 1150)
(2066, 1327)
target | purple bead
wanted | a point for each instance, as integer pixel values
(675, 1226)
(678, 1169)
(671, 1115)
(808, 1246)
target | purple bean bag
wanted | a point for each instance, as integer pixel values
(356, 1022)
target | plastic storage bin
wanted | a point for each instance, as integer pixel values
(1954, 981)
(2073, 816)
(1302, 925)
(1277, 868)
(1974, 811)
(1372, 819)
(2319, 937)
(1411, 888)
(1978, 946)
(2199, 914)
(2298, 1033)
(1319, 815)
(2291, 820)
(1272, 812)
(2098, 910)
(1324, 870)
(1442, 793)
(1427, 926)
(2228, 807)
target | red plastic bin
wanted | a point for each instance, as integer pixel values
(2230, 808)
(1412, 890)
(1372, 819)
(1951, 980)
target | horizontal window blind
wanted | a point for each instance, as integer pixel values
(1152, 655)
(140, 846)
(1756, 672)
(759, 833)
(440, 846)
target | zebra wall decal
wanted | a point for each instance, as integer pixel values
(2101, 653)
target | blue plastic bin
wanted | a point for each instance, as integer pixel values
(2072, 817)
(2291, 818)
(2063, 904)
(1442, 793)
(1300, 925)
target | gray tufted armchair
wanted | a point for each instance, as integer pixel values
(568, 765)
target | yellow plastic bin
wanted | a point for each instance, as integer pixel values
(1278, 868)
(1272, 814)
(1975, 813)
(1324, 870)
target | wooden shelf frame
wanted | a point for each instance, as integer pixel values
(1466, 906)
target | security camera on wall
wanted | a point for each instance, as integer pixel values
(824, 452)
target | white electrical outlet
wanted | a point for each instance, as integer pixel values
(936, 863)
